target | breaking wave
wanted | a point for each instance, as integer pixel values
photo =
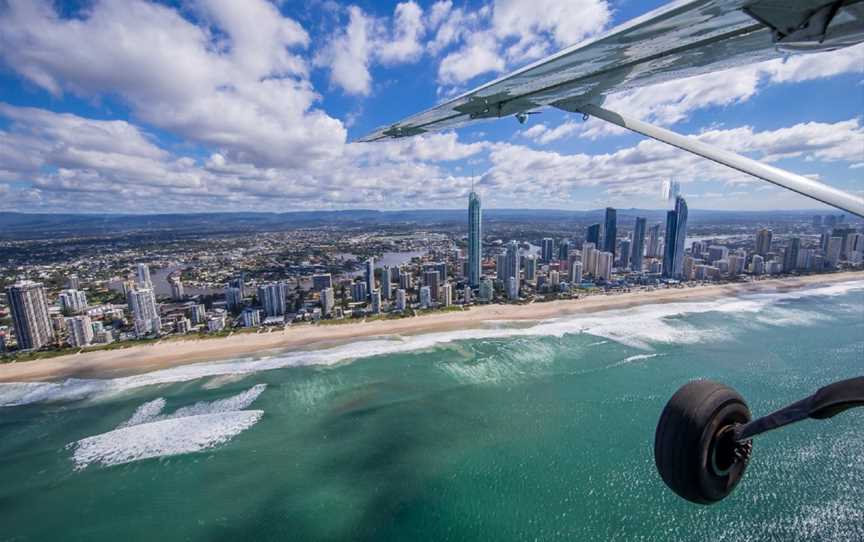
(637, 327)
(148, 433)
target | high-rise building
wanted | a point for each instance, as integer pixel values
(446, 294)
(547, 249)
(511, 263)
(654, 241)
(512, 288)
(604, 265)
(72, 301)
(198, 313)
(832, 251)
(370, 275)
(611, 231)
(625, 254)
(80, 330)
(676, 233)
(73, 283)
(531, 268)
(589, 258)
(817, 220)
(29, 307)
(233, 298)
(251, 317)
(475, 240)
(790, 260)
(757, 265)
(144, 276)
(563, 250)
(406, 281)
(177, 293)
(273, 298)
(386, 285)
(576, 273)
(358, 291)
(441, 267)
(321, 281)
(554, 278)
(401, 301)
(239, 282)
(763, 242)
(328, 301)
(637, 252)
(593, 235)
(717, 252)
(376, 301)
(432, 279)
(425, 297)
(145, 312)
(486, 290)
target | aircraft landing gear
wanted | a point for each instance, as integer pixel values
(703, 441)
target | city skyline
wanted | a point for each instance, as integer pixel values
(126, 150)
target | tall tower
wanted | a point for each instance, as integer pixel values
(593, 235)
(638, 246)
(676, 233)
(611, 231)
(29, 307)
(763, 242)
(144, 276)
(475, 239)
(370, 277)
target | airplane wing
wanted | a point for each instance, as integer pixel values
(682, 39)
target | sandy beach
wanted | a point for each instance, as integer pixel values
(153, 356)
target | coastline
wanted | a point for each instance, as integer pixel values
(161, 355)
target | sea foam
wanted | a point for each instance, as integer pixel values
(149, 433)
(637, 327)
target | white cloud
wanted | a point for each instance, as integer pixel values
(479, 55)
(350, 52)
(566, 23)
(243, 93)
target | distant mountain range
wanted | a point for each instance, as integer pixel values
(31, 225)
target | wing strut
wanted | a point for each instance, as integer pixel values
(797, 183)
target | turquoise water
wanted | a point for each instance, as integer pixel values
(539, 431)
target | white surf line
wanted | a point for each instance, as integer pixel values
(637, 327)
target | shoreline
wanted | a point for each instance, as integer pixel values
(161, 355)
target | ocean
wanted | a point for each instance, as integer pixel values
(518, 431)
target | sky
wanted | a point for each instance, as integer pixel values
(133, 106)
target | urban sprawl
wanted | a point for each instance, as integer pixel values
(429, 272)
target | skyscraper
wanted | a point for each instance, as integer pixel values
(576, 273)
(654, 241)
(80, 330)
(611, 236)
(386, 285)
(512, 262)
(144, 276)
(432, 279)
(604, 265)
(625, 254)
(676, 233)
(233, 298)
(547, 249)
(145, 313)
(638, 249)
(29, 307)
(72, 301)
(563, 250)
(328, 301)
(763, 242)
(401, 303)
(273, 298)
(176, 288)
(593, 235)
(370, 276)
(531, 268)
(475, 239)
(790, 260)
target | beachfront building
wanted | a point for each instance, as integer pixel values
(29, 307)
(79, 330)
(401, 301)
(425, 297)
(475, 240)
(72, 301)
(273, 298)
(145, 312)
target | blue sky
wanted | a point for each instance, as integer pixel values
(201, 105)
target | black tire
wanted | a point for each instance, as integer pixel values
(693, 449)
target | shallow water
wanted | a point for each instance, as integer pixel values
(508, 433)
